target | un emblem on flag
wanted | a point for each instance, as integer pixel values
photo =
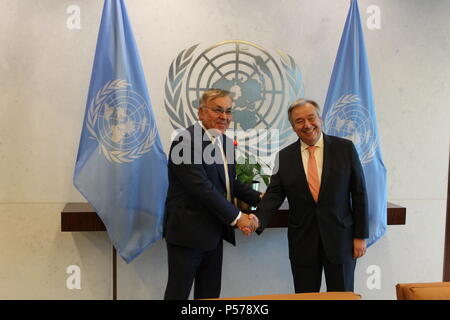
(262, 85)
(349, 119)
(118, 118)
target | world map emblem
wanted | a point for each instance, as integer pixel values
(348, 118)
(118, 119)
(262, 86)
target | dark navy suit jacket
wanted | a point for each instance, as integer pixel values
(198, 214)
(340, 213)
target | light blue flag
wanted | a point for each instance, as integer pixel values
(121, 167)
(349, 113)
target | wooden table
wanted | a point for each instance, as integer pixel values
(79, 216)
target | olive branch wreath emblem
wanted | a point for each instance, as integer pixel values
(341, 102)
(173, 85)
(114, 155)
(293, 75)
(173, 104)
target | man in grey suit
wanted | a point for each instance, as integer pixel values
(323, 180)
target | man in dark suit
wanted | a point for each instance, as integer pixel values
(199, 211)
(323, 180)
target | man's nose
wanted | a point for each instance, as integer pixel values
(222, 116)
(307, 124)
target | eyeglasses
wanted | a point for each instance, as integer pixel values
(219, 110)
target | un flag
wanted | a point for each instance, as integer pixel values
(121, 168)
(349, 113)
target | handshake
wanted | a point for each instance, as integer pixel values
(247, 223)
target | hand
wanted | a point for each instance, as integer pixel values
(255, 221)
(247, 223)
(255, 225)
(359, 248)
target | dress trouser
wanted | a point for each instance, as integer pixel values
(187, 265)
(338, 277)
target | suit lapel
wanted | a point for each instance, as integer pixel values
(219, 166)
(228, 144)
(326, 163)
(298, 167)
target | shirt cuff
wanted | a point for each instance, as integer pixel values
(235, 220)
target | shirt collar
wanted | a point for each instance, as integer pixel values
(318, 144)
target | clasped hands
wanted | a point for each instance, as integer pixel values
(247, 223)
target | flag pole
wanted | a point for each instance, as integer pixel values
(114, 273)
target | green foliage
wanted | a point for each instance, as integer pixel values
(248, 170)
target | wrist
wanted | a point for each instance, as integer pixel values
(234, 223)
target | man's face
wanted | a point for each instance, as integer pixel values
(306, 123)
(214, 115)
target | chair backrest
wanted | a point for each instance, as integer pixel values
(423, 291)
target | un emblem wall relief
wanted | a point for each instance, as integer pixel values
(262, 84)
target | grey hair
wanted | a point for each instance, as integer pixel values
(301, 102)
(212, 94)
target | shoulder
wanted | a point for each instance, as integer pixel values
(338, 141)
(187, 132)
(182, 136)
(338, 145)
(290, 149)
(190, 129)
